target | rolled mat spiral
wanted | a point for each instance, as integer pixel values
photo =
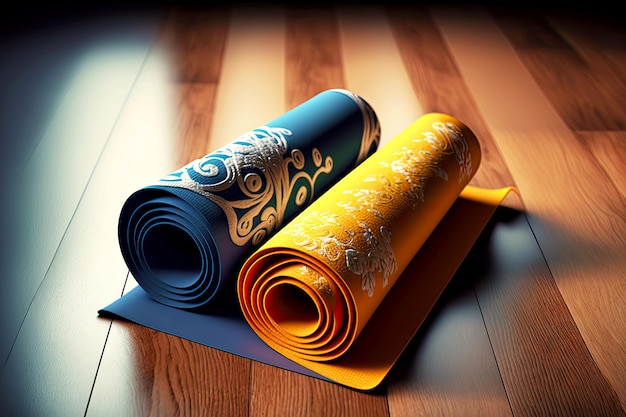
(185, 237)
(343, 287)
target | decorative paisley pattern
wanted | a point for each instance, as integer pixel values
(318, 281)
(313, 234)
(254, 178)
(366, 250)
(451, 140)
(252, 181)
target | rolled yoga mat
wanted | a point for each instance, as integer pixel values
(343, 287)
(185, 237)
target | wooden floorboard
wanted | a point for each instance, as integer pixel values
(580, 233)
(302, 395)
(370, 55)
(528, 322)
(599, 40)
(145, 372)
(609, 149)
(567, 79)
(194, 41)
(313, 62)
(449, 368)
(531, 325)
(49, 170)
(251, 91)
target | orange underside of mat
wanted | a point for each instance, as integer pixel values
(343, 287)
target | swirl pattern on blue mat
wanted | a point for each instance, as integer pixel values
(259, 166)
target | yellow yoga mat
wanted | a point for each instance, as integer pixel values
(344, 286)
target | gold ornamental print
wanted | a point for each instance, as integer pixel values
(252, 180)
(366, 249)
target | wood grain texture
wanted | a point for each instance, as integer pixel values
(194, 40)
(313, 62)
(609, 149)
(283, 393)
(35, 214)
(600, 39)
(563, 75)
(528, 322)
(251, 91)
(557, 312)
(532, 324)
(580, 233)
(196, 105)
(370, 55)
(449, 367)
(151, 373)
(55, 357)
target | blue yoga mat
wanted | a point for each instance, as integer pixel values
(185, 237)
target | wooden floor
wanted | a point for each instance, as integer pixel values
(93, 108)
